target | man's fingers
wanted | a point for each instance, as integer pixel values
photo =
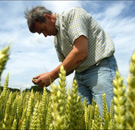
(36, 77)
(36, 81)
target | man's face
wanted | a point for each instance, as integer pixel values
(46, 28)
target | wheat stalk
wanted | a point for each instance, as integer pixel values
(119, 101)
(130, 111)
(4, 56)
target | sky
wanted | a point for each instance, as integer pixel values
(32, 54)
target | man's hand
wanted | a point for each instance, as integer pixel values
(43, 80)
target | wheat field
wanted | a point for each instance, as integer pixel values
(60, 110)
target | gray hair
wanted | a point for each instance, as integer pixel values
(36, 14)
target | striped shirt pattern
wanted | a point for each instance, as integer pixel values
(74, 23)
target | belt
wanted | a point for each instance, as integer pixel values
(96, 64)
(101, 61)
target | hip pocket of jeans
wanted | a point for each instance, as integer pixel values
(112, 65)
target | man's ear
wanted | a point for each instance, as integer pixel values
(47, 16)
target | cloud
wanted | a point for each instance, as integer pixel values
(60, 6)
(114, 10)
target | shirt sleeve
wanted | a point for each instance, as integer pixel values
(77, 24)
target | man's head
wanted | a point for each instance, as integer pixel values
(41, 20)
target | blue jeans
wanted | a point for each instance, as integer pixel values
(96, 80)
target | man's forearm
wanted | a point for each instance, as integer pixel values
(72, 61)
(74, 58)
(55, 73)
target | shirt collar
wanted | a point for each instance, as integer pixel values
(57, 24)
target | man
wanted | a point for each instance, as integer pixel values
(82, 45)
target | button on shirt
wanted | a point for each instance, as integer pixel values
(72, 24)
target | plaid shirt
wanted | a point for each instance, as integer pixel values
(74, 23)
